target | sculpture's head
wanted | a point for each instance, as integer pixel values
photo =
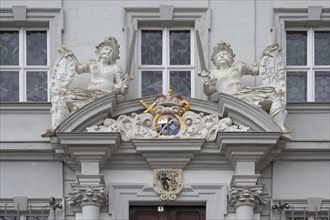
(222, 54)
(109, 47)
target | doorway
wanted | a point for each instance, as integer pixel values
(167, 213)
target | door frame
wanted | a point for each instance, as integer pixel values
(168, 210)
(213, 196)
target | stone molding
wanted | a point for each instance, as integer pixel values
(87, 195)
(174, 153)
(247, 195)
(73, 148)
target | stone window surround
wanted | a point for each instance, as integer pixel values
(22, 68)
(166, 67)
(166, 15)
(20, 16)
(315, 17)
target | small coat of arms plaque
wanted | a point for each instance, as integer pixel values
(167, 183)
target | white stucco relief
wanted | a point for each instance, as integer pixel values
(167, 183)
(226, 78)
(163, 112)
(247, 195)
(106, 77)
(87, 194)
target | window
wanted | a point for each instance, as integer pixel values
(306, 218)
(24, 65)
(23, 217)
(166, 61)
(308, 65)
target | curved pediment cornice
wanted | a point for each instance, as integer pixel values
(108, 106)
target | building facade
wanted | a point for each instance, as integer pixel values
(70, 151)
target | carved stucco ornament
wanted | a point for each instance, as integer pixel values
(89, 194)
(167, 118)
(106, 77)
(227, 75)
(247, 195)
(167, 183)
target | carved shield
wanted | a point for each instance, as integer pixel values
(63, 71)
(271, 69)
(167, 183)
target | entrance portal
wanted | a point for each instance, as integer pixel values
(167, 213)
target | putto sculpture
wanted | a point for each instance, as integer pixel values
(106, 77)
(226, 78)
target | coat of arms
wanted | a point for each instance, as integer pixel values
(167, 183)
(167, 111)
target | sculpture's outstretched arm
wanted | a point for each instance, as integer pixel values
(249, 69)
(121, 81)
(209, 86)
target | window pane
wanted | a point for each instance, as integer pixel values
(152, 83)
(36, 86)
(296, 87)
(36, 218)
(9, 86)
(36, 44)
(9, 48)
(296, 48)
(151, 47)
(322, 86)
(296, 218)
(8, 218)
(180, 82)
(180, 47)
(322, 47)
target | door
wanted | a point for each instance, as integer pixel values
(167, 213)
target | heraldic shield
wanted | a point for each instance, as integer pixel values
(167, 183)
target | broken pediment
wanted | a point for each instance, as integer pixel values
(230, 130)
(98, 114)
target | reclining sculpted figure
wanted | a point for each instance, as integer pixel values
(226, 78)
(106, 77)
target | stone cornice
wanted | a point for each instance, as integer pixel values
(72, 148)
(25, 107)
(245, 114)
(172, 153)
(92, 113)
(259, 148)
(308, 108)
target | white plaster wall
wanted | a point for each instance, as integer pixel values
(31, 179)
(309, 126)
(300, 180)
(24, 126)
(146, 176)
(32, 3)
